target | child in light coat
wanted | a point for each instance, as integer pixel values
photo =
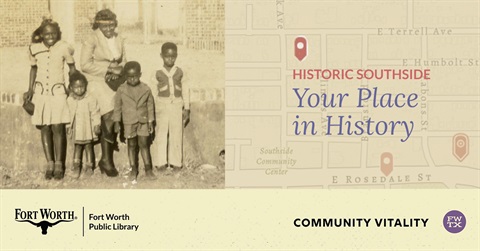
(84, 123)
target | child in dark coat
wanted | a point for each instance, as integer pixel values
(134, 106)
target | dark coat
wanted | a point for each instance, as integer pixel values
(133, 104)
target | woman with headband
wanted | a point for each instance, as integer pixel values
(102, 58)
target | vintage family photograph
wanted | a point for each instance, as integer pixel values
(112, 94)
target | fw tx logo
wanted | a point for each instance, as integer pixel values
(454, 221)
(44, 217)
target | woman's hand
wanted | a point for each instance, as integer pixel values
(71, 69)
(115, 70)
(111, 77)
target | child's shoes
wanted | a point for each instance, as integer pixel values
(77, 168)
(149, 172)
(162, 168)
(176, 169)
(132, 175)
(89, 169)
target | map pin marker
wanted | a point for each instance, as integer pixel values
(460, 146)
(300, 48)
(386, 163)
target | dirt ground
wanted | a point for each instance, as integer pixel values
(188, 178)
(205, 69)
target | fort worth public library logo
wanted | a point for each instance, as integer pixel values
(44, 217)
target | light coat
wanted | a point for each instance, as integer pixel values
(95, 58)
(84, 116)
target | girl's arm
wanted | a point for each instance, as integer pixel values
(68, 126)
(70, 62)
(69, 51)
(71, 69)
(33, 76)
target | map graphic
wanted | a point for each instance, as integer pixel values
(262, 148)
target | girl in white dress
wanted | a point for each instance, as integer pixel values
(48, 55)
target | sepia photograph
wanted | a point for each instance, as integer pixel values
(112, 94)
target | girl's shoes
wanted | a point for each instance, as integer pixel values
(49, 171)
(55, 170)
(58, 171)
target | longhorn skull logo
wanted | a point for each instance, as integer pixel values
(44, 224)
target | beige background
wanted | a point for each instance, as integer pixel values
(243, 219)
(258, 62)
(261, 105)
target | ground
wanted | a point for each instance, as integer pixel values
(189, 177)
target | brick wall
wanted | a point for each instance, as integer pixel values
(19, 18)
(204, 24)
(203, 21)
(85, 11)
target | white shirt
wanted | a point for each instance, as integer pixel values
(113, 47)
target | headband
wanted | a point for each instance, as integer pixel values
(105, 21)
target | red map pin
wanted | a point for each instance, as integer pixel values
(301, 48)
(386, 163)
(460, 146)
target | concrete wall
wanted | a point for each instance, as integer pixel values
(85, 11)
